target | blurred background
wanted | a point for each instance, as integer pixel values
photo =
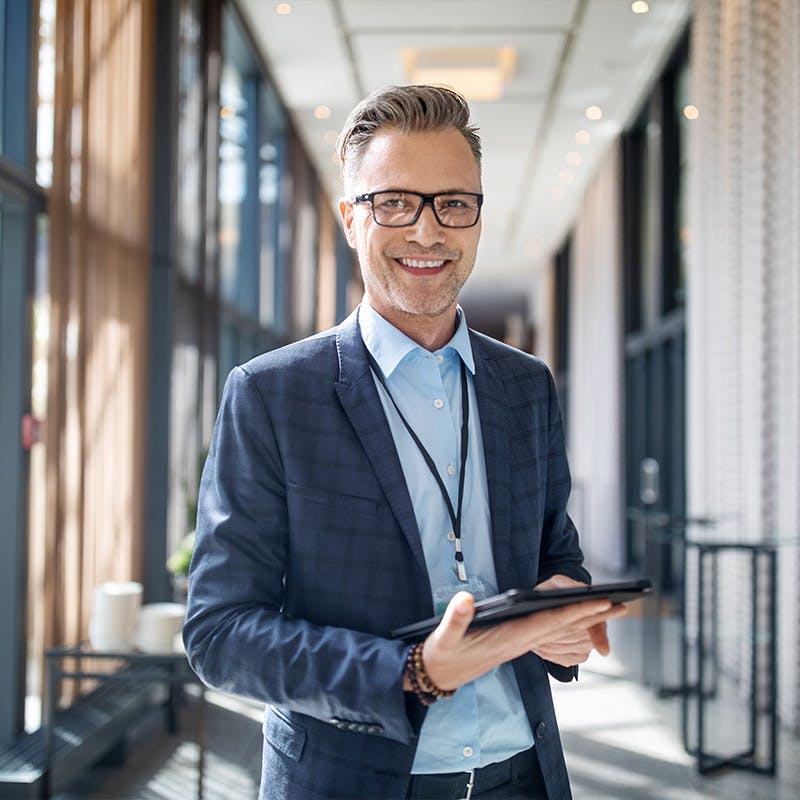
(168, 191)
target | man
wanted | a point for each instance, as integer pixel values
(364, 478)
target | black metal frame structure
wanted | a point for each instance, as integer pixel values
(170, 669)
(698, 689)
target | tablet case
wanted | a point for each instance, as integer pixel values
(519, 602)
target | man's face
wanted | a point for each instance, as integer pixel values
(413, 272)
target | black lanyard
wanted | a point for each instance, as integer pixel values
(455, 515)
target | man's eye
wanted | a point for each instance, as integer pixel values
(454, 202)
(394, 203)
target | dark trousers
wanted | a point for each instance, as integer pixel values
(517, 778)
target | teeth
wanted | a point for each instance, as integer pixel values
(412, 262)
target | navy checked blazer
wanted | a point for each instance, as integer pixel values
(308, 554)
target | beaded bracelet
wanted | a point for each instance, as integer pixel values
(424, 688)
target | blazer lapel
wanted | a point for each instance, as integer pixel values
(494, 429)
(359, 398)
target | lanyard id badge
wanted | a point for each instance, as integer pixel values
(476, 585)
(455, 514)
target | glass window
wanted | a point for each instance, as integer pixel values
(190, 159)
(24, 163)
(46, 87)
(654, 201)
(252, 157)
(235, 121)
(15, 20)
(684, 113)
(37, 479)
(271, 164)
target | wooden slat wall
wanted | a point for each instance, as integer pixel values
(100, 261)
(326, 267)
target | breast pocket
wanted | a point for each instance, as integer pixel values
(312, 502)
(326, 522)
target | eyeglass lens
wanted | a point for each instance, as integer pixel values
(453, 210)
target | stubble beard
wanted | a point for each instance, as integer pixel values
(417, 302)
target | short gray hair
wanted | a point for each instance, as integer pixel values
(409, 109)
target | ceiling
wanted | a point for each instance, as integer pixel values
(570, 54)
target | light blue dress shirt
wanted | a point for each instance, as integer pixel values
(484, 722)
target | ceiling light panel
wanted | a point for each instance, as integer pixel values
(478, 74)
(380, 57)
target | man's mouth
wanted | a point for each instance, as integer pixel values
(421, 263)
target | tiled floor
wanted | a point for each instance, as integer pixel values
(621, 743)
(163, 767)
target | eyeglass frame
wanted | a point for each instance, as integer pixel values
(427, 199)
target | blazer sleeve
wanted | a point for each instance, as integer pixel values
(237, 638)
(560, 552)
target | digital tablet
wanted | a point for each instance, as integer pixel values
(518, 602)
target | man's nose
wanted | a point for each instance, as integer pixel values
(426, 230)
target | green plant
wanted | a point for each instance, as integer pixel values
(178, 562)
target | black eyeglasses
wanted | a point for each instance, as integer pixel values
(398, 209)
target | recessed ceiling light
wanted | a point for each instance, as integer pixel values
(583, 137)
(227, 112)
(691, 112)
(594, 113)
(640, 7)
(574, 158)
(322, 112)
(477, 73)
(283, 9)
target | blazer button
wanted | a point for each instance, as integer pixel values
(540, 730)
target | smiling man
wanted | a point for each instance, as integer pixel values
(393, 467)
(414, 265)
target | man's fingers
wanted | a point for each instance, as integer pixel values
(577, 612)
(599, 636)
(456, 619)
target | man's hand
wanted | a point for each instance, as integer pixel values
(574, 649)
(453, 656)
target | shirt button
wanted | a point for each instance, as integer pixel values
(467, 752)
(440, 358)
(451, 470)
(437, 403)
(451, 536)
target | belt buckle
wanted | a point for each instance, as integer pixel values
(470, 785)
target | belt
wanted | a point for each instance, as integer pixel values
(465, 784)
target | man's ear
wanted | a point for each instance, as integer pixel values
(346, 210)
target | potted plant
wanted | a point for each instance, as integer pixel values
(180, 559)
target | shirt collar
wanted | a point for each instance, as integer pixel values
(389, 346)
